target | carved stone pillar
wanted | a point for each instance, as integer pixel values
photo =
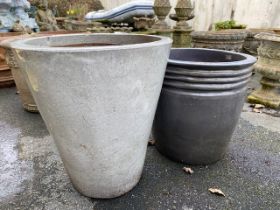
(184, 12)
(181, 34)
(268, 66)
(162, 9)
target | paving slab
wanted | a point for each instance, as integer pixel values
(32, 174)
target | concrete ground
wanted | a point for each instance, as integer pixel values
(32, 175)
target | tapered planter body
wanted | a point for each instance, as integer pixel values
(6, 77)
(98, 102)
(26, 97)
(200, 103)
(27, 100)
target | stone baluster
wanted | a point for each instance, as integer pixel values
(181, 34)
(162, 9)
(268, 66)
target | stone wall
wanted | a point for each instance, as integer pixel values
(254, 13)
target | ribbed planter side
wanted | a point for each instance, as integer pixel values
(196, 114)
(222, 40)
(194, 140)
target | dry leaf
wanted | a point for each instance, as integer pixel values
(259, 106)
(257, 110)
(217, 192)
(152, 142)
(188, 170)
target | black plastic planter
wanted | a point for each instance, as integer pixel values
(200, 104)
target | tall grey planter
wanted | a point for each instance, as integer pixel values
(97, 95)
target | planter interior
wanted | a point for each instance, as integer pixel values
(88, 40)
(203, 56)
(97, 95)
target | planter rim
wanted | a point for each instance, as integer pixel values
(248, 59)
(207, 73)
(220, 35)
(23, 44)
(261, 30)
(5, 42)
(268, 37)
(213, 80)
(10, 34)
(252, 32)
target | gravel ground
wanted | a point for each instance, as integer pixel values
(32, 175)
